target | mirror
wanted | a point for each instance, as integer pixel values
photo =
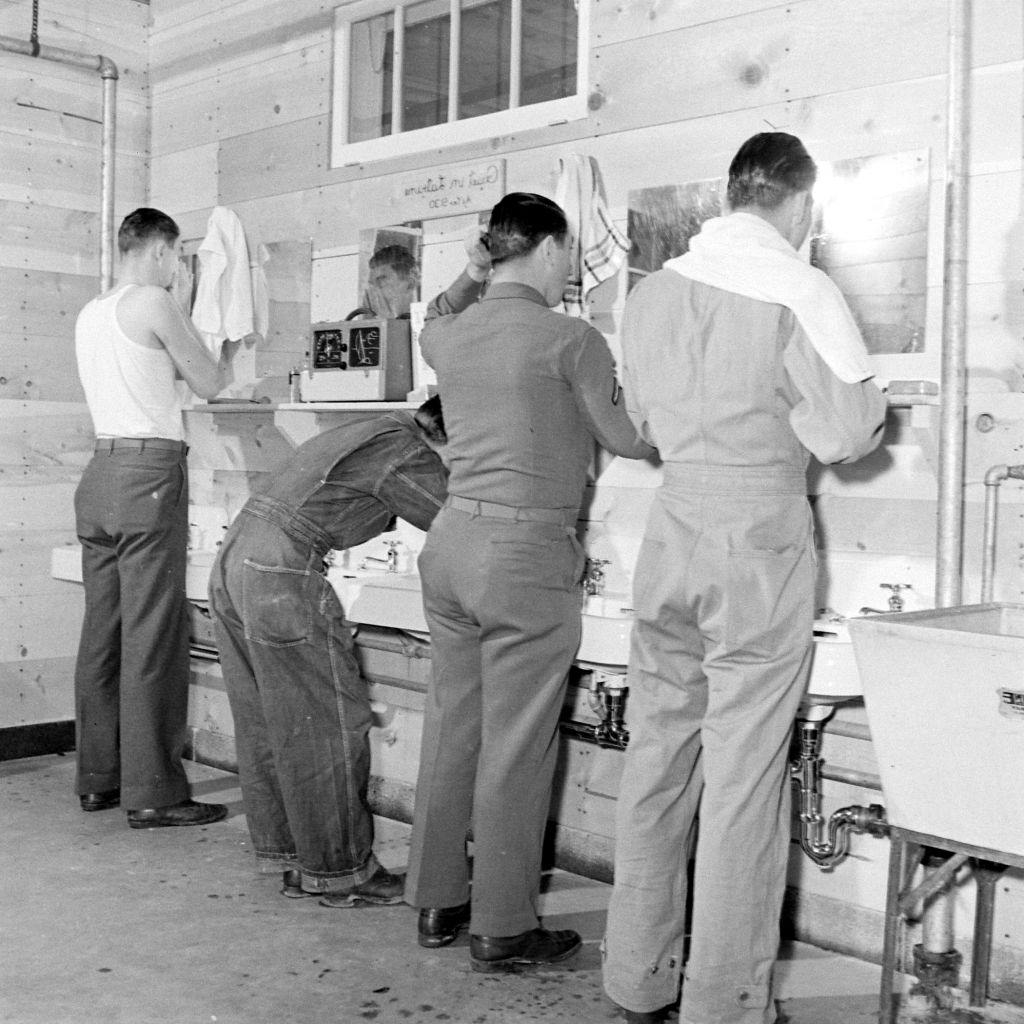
(287, 269)
(870, 235)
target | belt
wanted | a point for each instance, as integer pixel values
(561, 516)
(109, 444)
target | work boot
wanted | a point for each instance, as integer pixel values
(381, 889)
(510, 953)
(188, 812)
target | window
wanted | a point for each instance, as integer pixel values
(417, 75)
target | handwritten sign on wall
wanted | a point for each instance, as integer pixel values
(446, 191)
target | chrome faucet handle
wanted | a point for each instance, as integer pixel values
(895, 601)
(593, 575)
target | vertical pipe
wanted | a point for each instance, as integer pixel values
(455, 59)
(108, 71)
(515, 67)
(398, 71)
(993, 478)
(937, 920)
(949, 554)
(986, 874)
(107, 164)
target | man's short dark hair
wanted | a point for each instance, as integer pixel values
(141, 226)
(767, 169)
(520, 222)
(430, 419)
(398, 258)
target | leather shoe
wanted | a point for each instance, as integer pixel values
(291, 885)
(539, 946)
(188, 812)
(438, 926)
(644, 1016)
(100, 801)
(381, 889)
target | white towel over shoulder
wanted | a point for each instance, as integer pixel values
(743, 253)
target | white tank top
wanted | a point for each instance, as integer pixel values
(130, 388)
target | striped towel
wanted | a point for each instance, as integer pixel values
(599, 247)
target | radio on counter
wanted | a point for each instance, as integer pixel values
(358, 361)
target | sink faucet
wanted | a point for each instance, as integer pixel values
(593, 576)
(390, 560)
(895, 600)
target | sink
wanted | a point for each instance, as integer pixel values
(380, 598)
(834, 677)
(607, 622)
(609, 606)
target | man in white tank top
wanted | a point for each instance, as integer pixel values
(131, 506)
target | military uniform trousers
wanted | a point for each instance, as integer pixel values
(724, 593)
(502, 601)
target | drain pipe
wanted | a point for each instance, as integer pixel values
(993, 478)
(826, 843)
(936, 961)
(108, 73)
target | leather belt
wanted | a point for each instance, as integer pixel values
(561, 516)
(109, 444)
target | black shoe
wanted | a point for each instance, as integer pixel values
(538, 946)
(291, 885)
(382, 889)
(100, 801)
(644, 1016)
(188, 812)
(438, 926)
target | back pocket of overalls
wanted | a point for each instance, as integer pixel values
(277, 605)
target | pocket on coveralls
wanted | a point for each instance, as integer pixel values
(277, 605)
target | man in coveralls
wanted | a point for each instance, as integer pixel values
(299, 702)
(527, 392)
(739, 360)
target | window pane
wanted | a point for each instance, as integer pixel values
(425, 67)
(549, 50)
(484, 56)
(371, 62)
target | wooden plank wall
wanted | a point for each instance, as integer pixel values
(243, 121)
(50, 117)
(674, 89)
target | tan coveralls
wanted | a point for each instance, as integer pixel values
(734, 396)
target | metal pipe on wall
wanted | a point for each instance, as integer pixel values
(952, 411)
(937, 918)
(108, 72)
(993, 478)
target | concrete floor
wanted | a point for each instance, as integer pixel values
(100, 924)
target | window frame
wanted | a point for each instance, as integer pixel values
(452, 132)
